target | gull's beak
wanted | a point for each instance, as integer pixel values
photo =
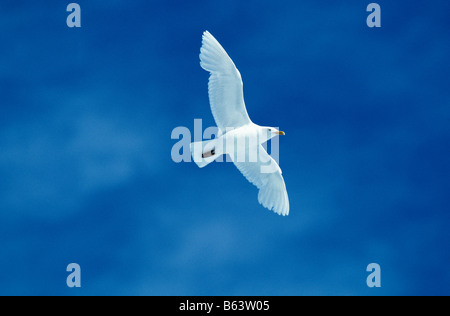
(281, 133)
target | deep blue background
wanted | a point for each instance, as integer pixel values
(86, 173)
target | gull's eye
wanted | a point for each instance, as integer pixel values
(270, 129)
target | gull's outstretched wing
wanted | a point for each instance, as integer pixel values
(226, 95)
(266, 175)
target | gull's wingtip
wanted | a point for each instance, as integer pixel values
(207, 35)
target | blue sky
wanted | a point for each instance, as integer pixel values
(87, 176)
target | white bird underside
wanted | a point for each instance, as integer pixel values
(226, 98)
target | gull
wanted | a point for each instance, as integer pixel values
(238, 137)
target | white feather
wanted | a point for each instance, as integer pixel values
(272, 189)
(226, 95)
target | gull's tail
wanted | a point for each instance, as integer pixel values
(205, 152)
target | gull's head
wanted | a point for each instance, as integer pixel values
(271, 132)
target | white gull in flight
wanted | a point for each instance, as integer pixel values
(238, 136)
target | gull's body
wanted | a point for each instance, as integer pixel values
(238, 137)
